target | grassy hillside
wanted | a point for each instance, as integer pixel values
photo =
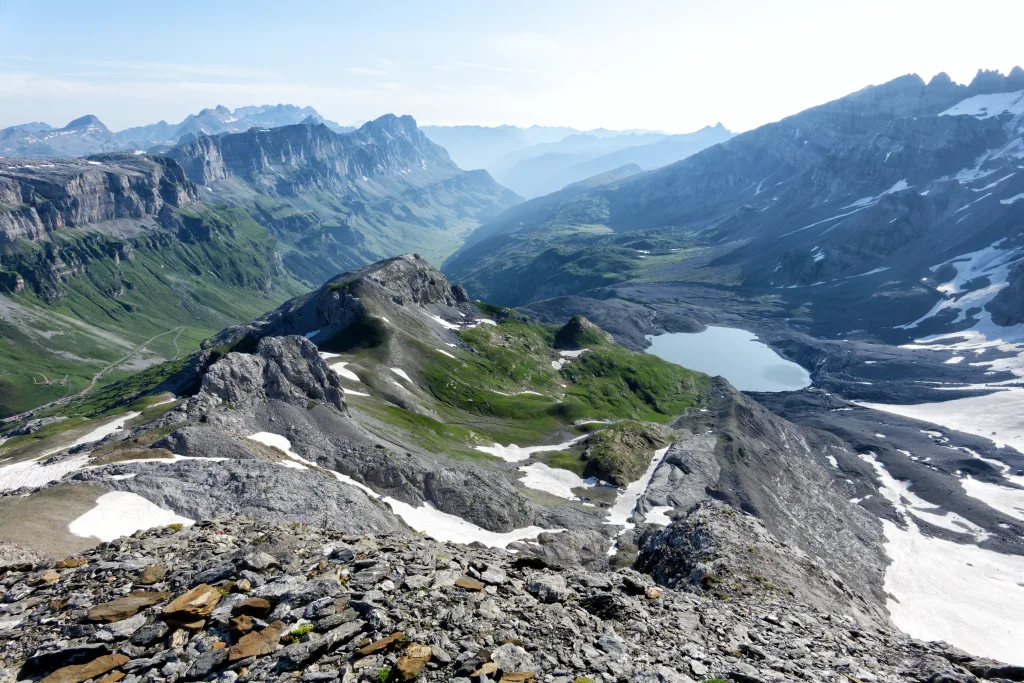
(158, 303)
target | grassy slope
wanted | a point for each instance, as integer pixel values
(201, 286)
(477, 395)
(473, 398)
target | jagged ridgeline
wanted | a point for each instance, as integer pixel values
(116, 262)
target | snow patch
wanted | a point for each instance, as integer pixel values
(32, 474)
(282, 444)
(625, 504)
(987, 106)
(443, 323)
(119, 513)
(401, 373)
(514, 453)
(657, 515)
(554, 480)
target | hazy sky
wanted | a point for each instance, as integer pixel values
(673, 65)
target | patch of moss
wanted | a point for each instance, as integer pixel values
(621, 453)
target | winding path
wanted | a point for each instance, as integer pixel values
(99, 375)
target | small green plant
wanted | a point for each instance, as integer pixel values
(310, 405)
(583, 679)
(299, 631)
(382, 675)
(714, 680)
(175, 527)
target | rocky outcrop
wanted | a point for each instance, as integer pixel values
(37, 199)
(282, 368)
(246, 601)
(717, 550)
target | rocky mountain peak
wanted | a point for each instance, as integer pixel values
(86, 123)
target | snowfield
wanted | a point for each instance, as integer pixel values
(987, 106)
(946, 591)
(122, 514)
(998, 416)
(32, 474)
(940, 590)
(554, 480)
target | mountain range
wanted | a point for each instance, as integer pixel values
(134, 258)
(548, 167)
(339, 463)
(87, 134)
(861, 200)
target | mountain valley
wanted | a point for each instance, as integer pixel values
(104, 253)
(291, 401)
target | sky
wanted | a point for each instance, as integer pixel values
(673, 66)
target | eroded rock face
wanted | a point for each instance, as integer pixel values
(407, 615)
(76, 192)
(283, 368)
(328, 160)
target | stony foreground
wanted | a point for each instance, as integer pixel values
(235, 600)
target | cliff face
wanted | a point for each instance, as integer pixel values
(306, 156)
(39, 198)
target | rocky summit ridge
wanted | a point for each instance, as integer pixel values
(233, 600)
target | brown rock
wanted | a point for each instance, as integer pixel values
(77, 673)
(469, 583)
(412, 662)
(219, 645)
(197, 625)
(519, 677)
(256, 644)
(240, 625)
(382, 644)
(71, 563)
(112, 677)
(193, 606)
(488, 668)
(653, 592)
(46, 579)
(253, 607)
(125, 607)
(243, 586)
(154, 573)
